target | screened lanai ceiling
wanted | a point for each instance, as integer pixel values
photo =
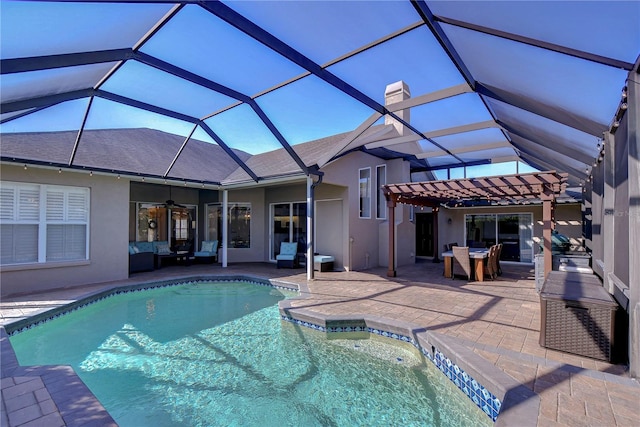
(244, 91)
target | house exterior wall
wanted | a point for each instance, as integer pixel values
(108, 234)
(366, 240)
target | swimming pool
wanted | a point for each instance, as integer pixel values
(206, 354)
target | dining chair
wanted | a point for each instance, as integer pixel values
(498, 253)
(461, 262)
(490, 263)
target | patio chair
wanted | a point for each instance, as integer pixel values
(491, 268)
(288, 256)
(208, 251)
(461, 262)
(498, 253)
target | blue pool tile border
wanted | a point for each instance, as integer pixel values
(478, 394)
(39, 319)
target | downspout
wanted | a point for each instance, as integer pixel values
(311, 186)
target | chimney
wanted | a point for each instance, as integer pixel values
(394, 93)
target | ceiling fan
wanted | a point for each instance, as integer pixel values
(169, 203)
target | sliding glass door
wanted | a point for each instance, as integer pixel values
(514, 231)
(288, 224)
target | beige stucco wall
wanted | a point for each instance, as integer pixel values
(568, 222)
(367, 239)
(109, 231)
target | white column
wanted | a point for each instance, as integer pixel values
(310, 218)
(225, 225)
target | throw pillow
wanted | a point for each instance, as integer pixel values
(207, 246)
(131, 250)
(136, 250)
(163, 250)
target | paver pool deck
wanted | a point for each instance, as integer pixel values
(498, 321)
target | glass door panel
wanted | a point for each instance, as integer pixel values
(281, 219)
(481, 230)
(288, 224)
(514, 231)
(182, 230)
(299, 221)
(509, 236)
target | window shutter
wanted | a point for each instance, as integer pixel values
(7, 203)
(77, 208)
(28, 204)
(55, 205)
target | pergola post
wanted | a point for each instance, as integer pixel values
(547, 221)
(391, 204)
(435, 235)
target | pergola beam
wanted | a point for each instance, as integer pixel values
(544, 186)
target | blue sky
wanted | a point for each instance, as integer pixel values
(310, 108)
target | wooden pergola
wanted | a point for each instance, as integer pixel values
(496, 190)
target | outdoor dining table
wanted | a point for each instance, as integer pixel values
(478, 255)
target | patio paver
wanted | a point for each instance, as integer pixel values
(498, 321)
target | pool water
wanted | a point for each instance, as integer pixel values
(218, 354)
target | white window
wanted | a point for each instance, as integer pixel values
(381, 179)
(43, 223)
(365, 192)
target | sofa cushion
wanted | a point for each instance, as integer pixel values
(323, 258)
(159, 243)
(144, 246)
(163, 249)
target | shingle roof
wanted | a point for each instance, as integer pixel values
(138, 151)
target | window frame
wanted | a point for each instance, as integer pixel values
(45, 217)
(363, 199)
(381, 211)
